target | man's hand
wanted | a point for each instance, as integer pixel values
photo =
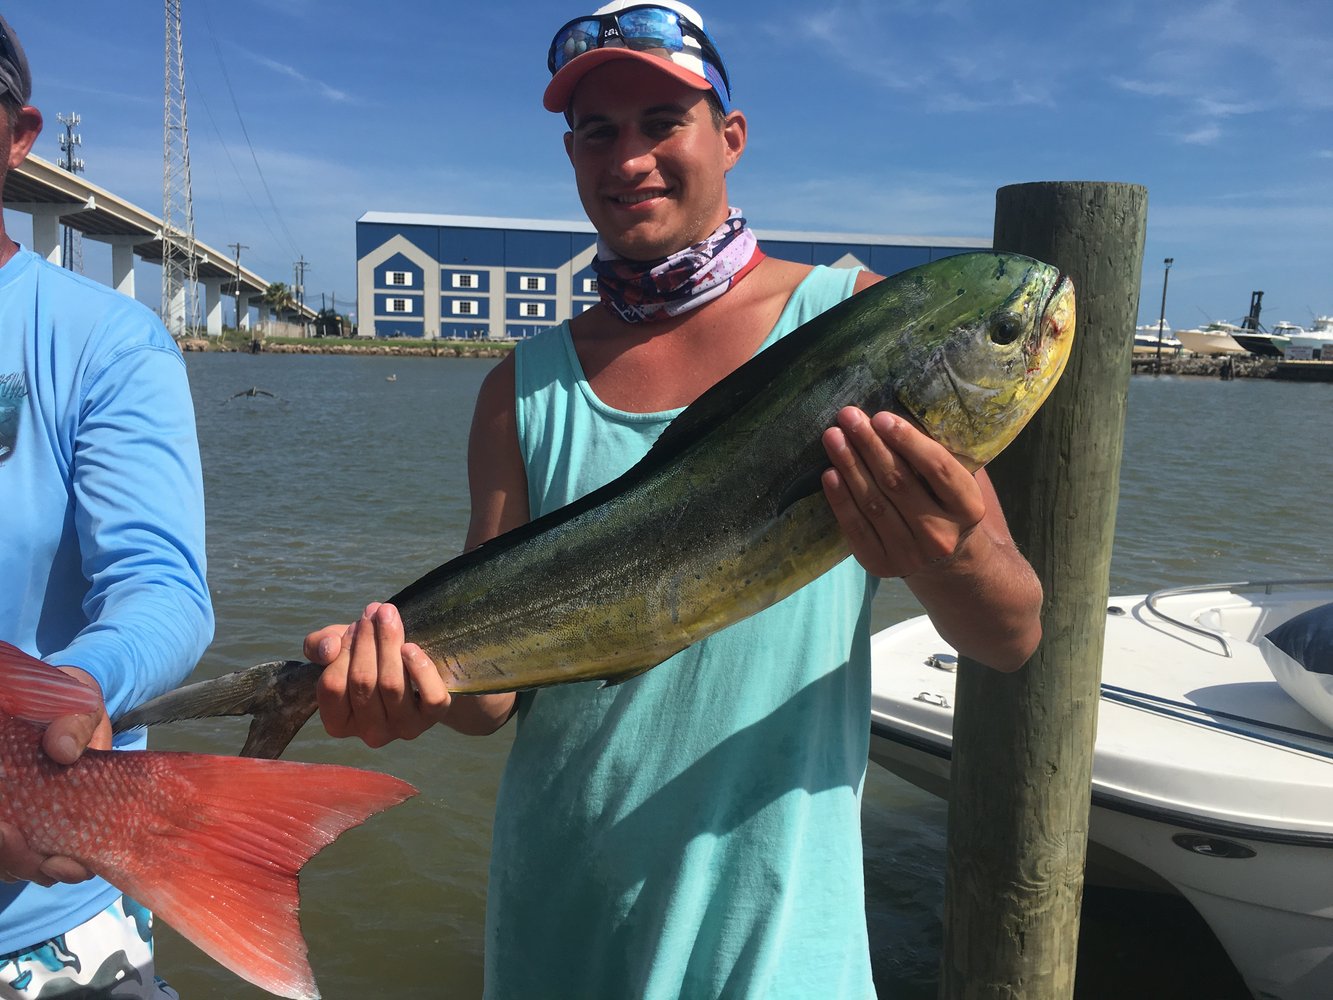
(902, 500)
(375, 686)
(64, 741)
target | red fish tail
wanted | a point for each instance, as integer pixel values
(220, 847)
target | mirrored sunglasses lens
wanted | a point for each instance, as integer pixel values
(651, 28)
(574, 40)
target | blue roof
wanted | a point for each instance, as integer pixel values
(584, 226)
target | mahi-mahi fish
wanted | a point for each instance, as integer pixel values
(725, 516)
(213, 845)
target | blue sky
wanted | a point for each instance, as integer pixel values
(865, 117)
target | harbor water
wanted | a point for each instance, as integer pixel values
(348, 483)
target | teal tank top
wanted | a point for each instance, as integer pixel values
(693, 832)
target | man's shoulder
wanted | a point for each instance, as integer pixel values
(782, 276)
(77, 301)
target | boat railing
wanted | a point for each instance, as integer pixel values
(1267, 587)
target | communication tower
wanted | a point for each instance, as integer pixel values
(179, 263)
(71, 252)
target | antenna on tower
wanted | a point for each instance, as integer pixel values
(179, 263)
(70, 251)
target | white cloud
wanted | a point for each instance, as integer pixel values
(1204, 135)
(317, 86)
(1223, 59)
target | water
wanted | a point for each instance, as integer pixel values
(346, 486)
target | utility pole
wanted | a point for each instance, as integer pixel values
(68, 161)
(237, 248)
(299, 269)
(1161, 321)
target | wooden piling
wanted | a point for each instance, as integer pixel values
(1022, 750)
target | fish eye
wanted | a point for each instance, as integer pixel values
(1006, 329)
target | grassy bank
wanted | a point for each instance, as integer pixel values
(241, 341)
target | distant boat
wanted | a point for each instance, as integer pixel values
(1213, 340)
(1255, 339)
(391, 378)
(1262, 344)
(1311, 345)
(1146, 339)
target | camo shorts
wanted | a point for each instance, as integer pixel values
(109, 957)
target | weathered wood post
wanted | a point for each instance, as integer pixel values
(1022, 750)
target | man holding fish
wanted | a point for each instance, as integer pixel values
(102, 560)
(693, 831)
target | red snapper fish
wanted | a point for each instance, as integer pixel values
(213, 845)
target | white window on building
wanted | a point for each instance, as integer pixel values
(590, 286)
(399, 306)
(532, 283)
(532, 310)
(587, 306)
(463, 280)
(464, 307)
(401, 278)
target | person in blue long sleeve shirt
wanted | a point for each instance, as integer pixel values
(102, 568)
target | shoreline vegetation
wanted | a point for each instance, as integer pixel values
(241, 342)
(233, 341)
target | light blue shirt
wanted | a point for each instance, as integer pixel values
(695, 831)
(102, 556)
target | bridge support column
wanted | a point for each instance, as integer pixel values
(46, 232)
(122, 259)
(213, 304)
(176, 318)
(46, 224)
(243, 311)
(122, 264)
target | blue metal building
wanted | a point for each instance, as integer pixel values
(465, 277)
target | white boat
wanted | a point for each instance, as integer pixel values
(1311, 345)
(1146, 340)
(1209, 779)
(1212, 340)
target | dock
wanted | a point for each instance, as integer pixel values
(1304, 371)
(1225, 367)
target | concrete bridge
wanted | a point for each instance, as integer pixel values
(55, 197)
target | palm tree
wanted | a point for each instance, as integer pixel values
(278, 297)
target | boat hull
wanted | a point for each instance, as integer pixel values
(1188, 797)
(1262, 345)
(1209, 343)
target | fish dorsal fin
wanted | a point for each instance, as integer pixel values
(37, 691)
(714, 406)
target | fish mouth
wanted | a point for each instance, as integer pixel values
(1056, 326)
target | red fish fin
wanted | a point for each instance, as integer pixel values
(225, 843)
(37, 691)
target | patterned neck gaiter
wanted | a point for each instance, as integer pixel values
(641, 292)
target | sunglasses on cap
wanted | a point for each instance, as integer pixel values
(641, 28)
(9, 88)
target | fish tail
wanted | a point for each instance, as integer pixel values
(279, 694)
(226, 838)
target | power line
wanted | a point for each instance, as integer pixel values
(226, 78)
